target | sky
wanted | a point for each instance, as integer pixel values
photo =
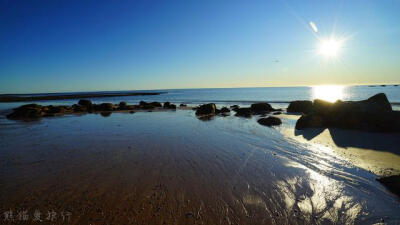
(63, 46)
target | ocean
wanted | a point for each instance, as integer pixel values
(279, 96)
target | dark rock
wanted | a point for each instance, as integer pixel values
(300, 107)
(243, 112)
(79, 108)
(225, 110)
(234, 107)
(106, 107)
(206, 109)
(182, 105)
(263, 107)
(373, 114)
(29, 111)
(151, 105)
(306, 121)
(167, 104)
(85, 102)
(55, 109)
(277, 113)
(143, 103)
(131, 112)
(392, 183)
(270, 121)
(122, 104)
(156, 104)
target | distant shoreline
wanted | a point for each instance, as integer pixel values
(14, 98)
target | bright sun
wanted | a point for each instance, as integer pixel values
(330, 47)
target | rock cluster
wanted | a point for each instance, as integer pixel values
(35, 111)
(254, 109)
(373, 114)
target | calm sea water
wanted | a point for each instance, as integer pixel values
(278, 95)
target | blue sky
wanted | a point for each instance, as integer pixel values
(58, 46)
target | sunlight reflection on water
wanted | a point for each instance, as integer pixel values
(329, 93)
(319, 196)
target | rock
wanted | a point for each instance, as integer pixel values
(277, 113)
(225, 110)
(234, 107)
(270, 121)
(156, 104)
(300, 107)
(55, 109)
(85, 102)
(122, 104)
(373, 114)
(206, 109)
(106, 107)
(182, 105)
(243, 112)
(131, 112)
(263, 107)
(29, 111)
(79, 108)
(168, 105)
(307, 121)
(392, 183)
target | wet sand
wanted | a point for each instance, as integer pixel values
(375, 152)
(171, 168)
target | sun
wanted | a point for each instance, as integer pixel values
(330, 48)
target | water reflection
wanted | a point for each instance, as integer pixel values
(329, 93)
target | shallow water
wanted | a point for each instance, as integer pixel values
(155, 167)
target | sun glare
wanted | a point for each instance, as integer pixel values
(329, 93)
(330, 47)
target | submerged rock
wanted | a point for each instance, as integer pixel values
(206, 109)
(300, 107)
(270, 121)
(373, 114)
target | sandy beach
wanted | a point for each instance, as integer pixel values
(172, 168)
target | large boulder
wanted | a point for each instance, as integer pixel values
(270, 121)
(206, 109)
(300, 107)
(373, 114)
(262, 107)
